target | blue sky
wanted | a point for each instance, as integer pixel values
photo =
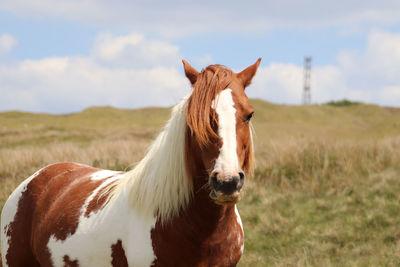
(63, 56)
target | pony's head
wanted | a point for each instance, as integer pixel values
(218, 134)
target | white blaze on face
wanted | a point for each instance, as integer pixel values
(227, 161)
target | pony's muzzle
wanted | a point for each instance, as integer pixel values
(226, 189)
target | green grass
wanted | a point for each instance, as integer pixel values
(357, 226)
(325, 191)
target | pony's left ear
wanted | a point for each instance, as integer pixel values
(247, 74)
(190, 72)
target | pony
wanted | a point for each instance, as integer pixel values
(176, 207)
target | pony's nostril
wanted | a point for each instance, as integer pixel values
(234, 179)
(215, 183)
(214, 174)
(241, 175)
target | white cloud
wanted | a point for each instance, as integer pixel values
(65, 84)
(134, 51)
(176, 17)
(370, 76)
(390, 95)
(278, 83)
(383, 54)
(7, 43)
(283, 83)
(108, 47)
(374, 70)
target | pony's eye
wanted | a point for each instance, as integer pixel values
(249, 116)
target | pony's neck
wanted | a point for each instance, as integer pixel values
(199, 232)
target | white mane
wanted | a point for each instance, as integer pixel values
(159, 185)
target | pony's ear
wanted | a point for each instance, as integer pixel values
(190, 72)
(247, 74)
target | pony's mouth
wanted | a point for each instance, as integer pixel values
(223, 199)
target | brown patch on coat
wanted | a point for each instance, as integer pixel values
(70, 263)
(100, 199)
(50, 206)
(118, 255)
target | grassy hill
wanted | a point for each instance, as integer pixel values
(325, 191)
(273, 121)
(93, 117)
(353, 122)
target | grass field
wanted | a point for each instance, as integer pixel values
(326, 186)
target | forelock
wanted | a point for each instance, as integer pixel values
(200, 116)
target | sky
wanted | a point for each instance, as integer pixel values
(62, 56)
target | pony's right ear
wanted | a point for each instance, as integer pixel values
(190, 72)
(247, 74)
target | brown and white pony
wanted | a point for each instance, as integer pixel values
(175, 208)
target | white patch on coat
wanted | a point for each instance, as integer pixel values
(9, 211)
(91, 243)
(103, 174)
(240, 236)
(227, 161)
(111, 178)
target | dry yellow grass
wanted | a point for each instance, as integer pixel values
(304, 162)
(16, 164)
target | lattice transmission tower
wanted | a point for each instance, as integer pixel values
(307, 81)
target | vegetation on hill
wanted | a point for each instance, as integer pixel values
(342, 103)
(325, 191)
